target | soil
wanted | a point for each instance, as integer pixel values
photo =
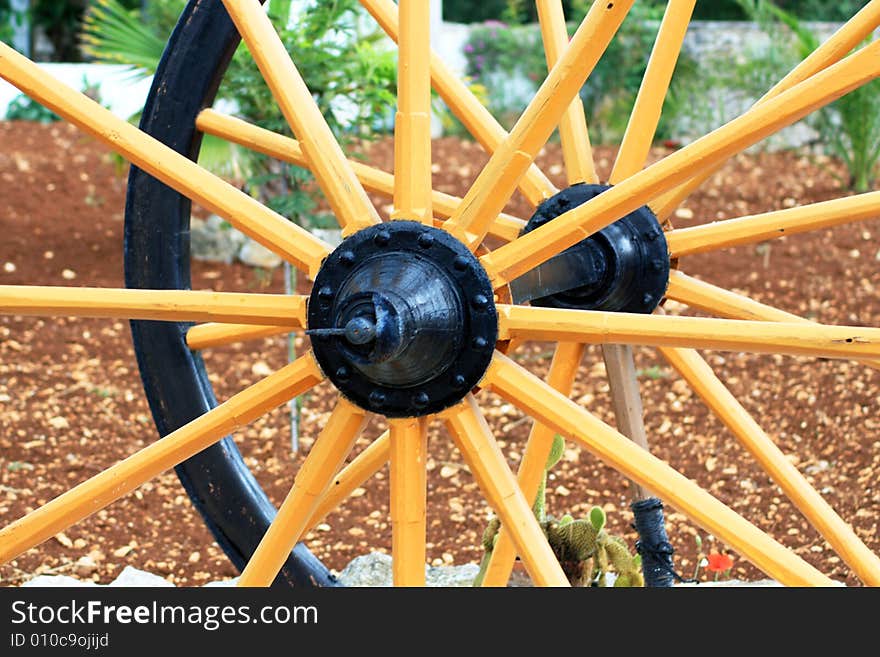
(71, 402)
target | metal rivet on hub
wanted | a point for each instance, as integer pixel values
(347, 258)
(426, 240)
(460, 263)
(325, 293)
(459, 382)
(648, 299)
(421, 399)
(480, 301)
(377, 398)
(382, 238)
(343, 374)
(651, 235)
(480, 342)
(657, 265)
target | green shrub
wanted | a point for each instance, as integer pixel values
(849, 128)
(351, 78)
(23, 108)
(498, 55)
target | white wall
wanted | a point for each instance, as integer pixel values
(118, 88)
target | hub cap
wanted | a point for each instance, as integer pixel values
(402, 319)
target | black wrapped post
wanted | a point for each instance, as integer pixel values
(653, 544)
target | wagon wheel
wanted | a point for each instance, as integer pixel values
(393, 289)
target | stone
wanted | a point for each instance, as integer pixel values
(56, 581)
(374, 569)
(255, 254)
(131, 576)
(333, 236)
(214, 240)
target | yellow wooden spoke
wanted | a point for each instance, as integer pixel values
(205, 336)
(597, 327)
(375, 180)
(352, 476)
(546, 405)
(537, 246)
(691, 366)
(167, 305)
(478, 121)
(412, 125)
(563, 370)
(724, 303)
(577, 153)
(770, 225)
(475, 441)
(122, 478)
(347, 198)
(645, 116)
(408, 484)
(270, 229)
(838, 46)
(721, 302)
(311, 482)
(497, 181)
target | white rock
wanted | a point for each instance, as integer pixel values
(374, 569)
(223, 583)
(131, 576)
(256, 255)
(56, 581)
(214, 240)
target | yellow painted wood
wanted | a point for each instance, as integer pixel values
(523, 389)
(577, 153)
(596, 327)
(347, 198)
(270, 229)
(498, 179)
(167, 305)
(475, 441)
(645, 117)
(311, 482)
(205, 336)
(696, 371)
(409, 489)
(537, 246)
(412, 126)
(352, 476)
(721, 302)
(724, 303)
(108, 486)
(770, 225)
(477, 120)
(563, 370)
(375, 180)
(838, 46)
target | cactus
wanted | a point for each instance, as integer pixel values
(584, 549)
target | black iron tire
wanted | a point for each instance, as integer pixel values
(157, 256)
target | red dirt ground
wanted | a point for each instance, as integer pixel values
(71, 402)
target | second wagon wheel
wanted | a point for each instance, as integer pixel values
(405, 316)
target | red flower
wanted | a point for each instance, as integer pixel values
(718, 563)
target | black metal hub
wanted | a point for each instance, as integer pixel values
(622, 268)
(402, 319)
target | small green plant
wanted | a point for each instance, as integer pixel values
(654, 372)
(586, 552)
(23, 108)
(850, 127)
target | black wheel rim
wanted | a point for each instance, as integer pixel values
(157, 256)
